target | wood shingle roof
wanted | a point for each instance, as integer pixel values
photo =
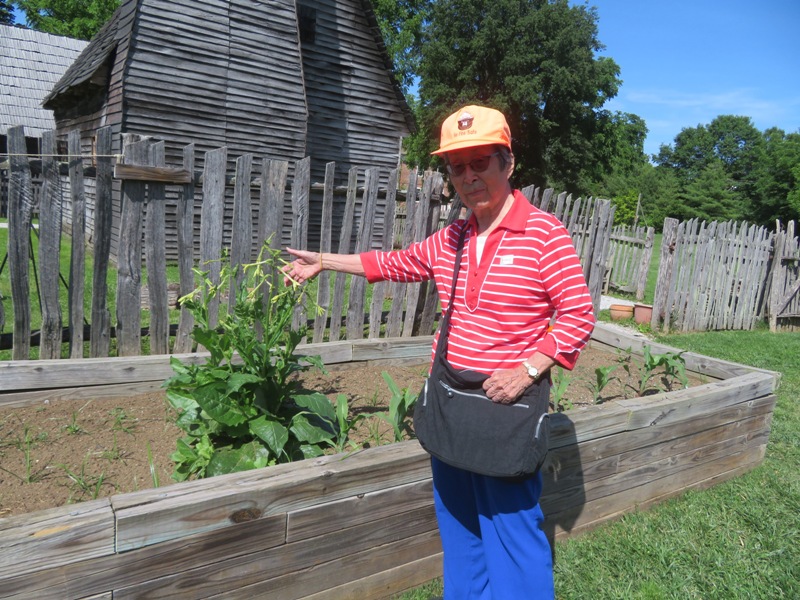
(30, 63)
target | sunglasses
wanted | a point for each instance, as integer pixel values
(478, 165)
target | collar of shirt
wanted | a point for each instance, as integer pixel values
(516, 220)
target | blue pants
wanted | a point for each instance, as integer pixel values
(492, 537)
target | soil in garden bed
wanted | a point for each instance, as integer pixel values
(68, 451)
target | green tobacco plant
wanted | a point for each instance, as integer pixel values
(242, 409)
(401, 405)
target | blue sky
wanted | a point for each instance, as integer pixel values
(685, 62)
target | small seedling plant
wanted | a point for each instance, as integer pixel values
(401, 405)
(242, 409)
(672, 365)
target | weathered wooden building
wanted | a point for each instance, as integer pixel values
(277, 78)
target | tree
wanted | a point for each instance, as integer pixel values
(535, 61)
(6, 12)
(778, 179)
(730, 143)
(710, 196)
(401, 27)
(79, 19)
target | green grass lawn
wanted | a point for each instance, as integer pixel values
(737, 540)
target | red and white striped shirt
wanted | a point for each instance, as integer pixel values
(528, 273)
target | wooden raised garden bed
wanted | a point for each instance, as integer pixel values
(362, 525)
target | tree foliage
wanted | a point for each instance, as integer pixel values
(79, 19)
(536, 62)
(7, 12)
(728, 169)
(401, 24)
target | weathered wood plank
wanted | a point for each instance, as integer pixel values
(366, 508)
(358, 285)
(649, 492)
(211, 222)
(185, 235)
(50, 250)
(153, 174)
(77, 579)
(129, 255)
(301, 190)
(418, 347)
(308, 566)
(20, 200)
(379, 288)
(325, 242)
(78, 256)
(399, 290)
(55, 537)
(120, 390)
(616, 484)
(155, 257)
(340, 279)
(401, 577)
(242, 228)
(103, 214)
(155, 516)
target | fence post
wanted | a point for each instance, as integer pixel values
(211, 222)
(379, 288)
(242, 228)
(20, 207)
(664, 276)
(78, 257)
(155, 257)
(100, 336)
(185, 235)
(129, 254)
(340, 279)
(325, 238)
(50, 250)
(644, 264)
(358, 285)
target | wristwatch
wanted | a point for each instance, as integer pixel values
(533, 372)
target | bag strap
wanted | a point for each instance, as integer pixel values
(444, 326)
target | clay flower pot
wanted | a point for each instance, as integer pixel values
(620, 311)
(642, 313)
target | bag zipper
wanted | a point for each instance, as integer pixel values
(453, 391)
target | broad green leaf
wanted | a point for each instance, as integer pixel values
(316, 403)
(311, 451)
(248, 457)
(181, 400)
(273, 433)
(305, 430)
(219, 406)
(237, 380)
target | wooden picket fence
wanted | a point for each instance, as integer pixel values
(784, 291)
(629, 259)
(142, 175)
(726, 275)
(589, 222)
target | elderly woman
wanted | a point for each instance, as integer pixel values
(521, 306)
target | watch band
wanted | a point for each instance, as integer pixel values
(533, 372)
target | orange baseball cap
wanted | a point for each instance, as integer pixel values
(474, 126)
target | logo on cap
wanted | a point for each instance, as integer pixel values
(465, 121)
